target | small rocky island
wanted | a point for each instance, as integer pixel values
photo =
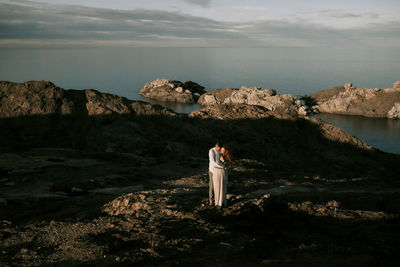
(88, 178)
(172, 91)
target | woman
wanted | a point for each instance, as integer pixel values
(220, 177)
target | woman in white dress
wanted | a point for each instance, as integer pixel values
(220, 178)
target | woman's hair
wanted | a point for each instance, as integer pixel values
(219, 143)
(227, 155)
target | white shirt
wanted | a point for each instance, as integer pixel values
(213, 156)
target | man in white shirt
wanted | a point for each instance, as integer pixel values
(213, 156)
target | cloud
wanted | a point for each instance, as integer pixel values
(27, 24)
(203, 3)
(343, 14)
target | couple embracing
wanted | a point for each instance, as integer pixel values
(220, 161)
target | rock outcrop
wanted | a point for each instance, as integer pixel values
(216, 96)
(44, 98)
(245, 111)
(394, 113)
(114, 133)
(282, 104)
(32, 98)
(172, 91)
(349, 100)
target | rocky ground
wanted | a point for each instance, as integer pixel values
(76, 208)
(128, 185)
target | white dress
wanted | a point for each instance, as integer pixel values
(220, 180)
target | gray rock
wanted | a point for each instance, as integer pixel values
(396, 85)
(172, 91)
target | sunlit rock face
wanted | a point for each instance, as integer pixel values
(349, 100)
(267, 98)
(394, 113)
(45, 98)
(396, 85)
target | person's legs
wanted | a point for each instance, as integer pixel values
(211, 188)
(217, 188)
(225, 185)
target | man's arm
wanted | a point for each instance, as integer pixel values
(211, 157)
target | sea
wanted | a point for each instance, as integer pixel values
(124, 71)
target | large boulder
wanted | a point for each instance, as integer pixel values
(349, 100)
(396, 85)
(282, 104)
(172, 91)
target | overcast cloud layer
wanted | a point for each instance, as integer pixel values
(27, 23)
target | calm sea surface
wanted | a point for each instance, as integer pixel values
(124, 71)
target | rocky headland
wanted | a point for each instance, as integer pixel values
(88, 178)
(172, 91)
(45, 98)
(280, 104)
(349, 100)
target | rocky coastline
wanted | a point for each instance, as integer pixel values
(349, 100)
(88, 178)
(281, 104)
(346, 100)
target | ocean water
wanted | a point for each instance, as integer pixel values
(297, 71)
(380, 133)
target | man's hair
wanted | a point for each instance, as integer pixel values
(219, 143)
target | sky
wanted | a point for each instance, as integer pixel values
(200, 23)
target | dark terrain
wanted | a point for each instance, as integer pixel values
(124, 188)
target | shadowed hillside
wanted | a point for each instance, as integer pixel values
(131, 188)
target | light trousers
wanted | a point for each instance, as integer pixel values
(220, 180)
(210, 187)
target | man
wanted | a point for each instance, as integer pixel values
(213, 156)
